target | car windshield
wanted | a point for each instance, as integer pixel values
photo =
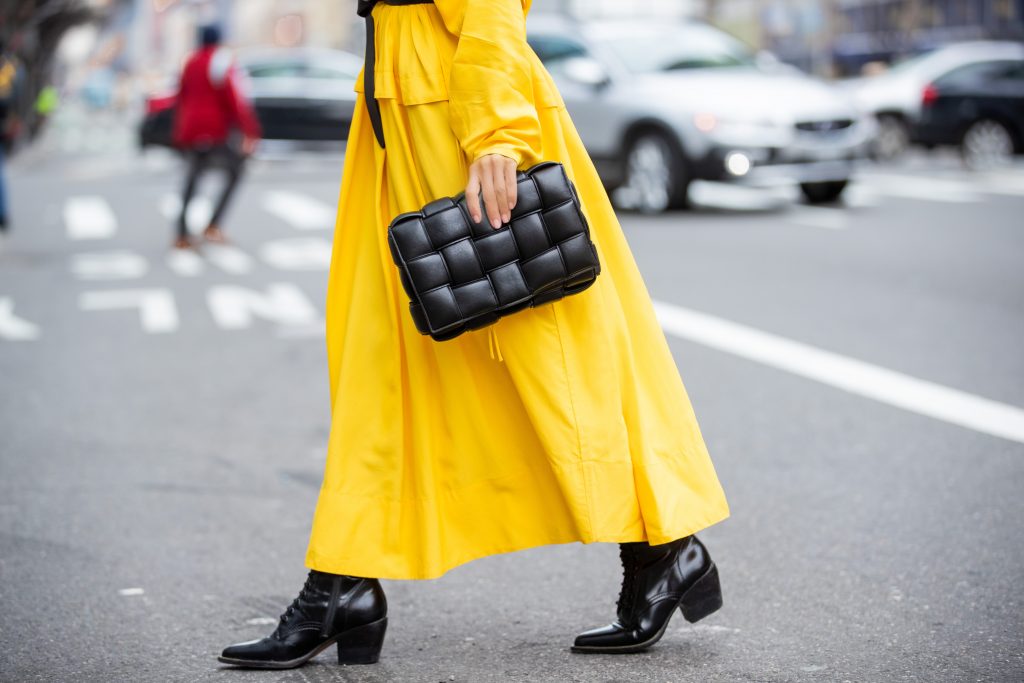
(672, 48)
(274, 69)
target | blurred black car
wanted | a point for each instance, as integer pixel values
(979, 107)
(298, 94)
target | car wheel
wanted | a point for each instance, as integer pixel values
(987, 144)
(893, 138)
(823, 193)
(656, 178)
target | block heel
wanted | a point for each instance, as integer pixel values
(703, 598)
(362, 644)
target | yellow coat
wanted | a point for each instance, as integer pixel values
(562, 423)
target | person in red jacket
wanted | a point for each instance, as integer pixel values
(211, 112)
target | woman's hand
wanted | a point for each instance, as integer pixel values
(496, 176)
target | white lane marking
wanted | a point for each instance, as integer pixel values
(261, 621)
(89, 217)
(185, 262)
(1003, 182)
(157, 311)
(228, 258)
(818, 217)
(857, 377)
(131, 591)
(858, 196)
(299, 253)
(924, 188)
(13, 328)
(200, 210)
(732, 197)
(120, 264)
(234, 307)
(298, 210)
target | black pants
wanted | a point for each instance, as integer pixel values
(200, 160)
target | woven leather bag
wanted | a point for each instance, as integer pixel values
(462, 275)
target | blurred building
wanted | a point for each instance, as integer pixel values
(142, 44)
(592, 9)
(838, 37)
(883, 30)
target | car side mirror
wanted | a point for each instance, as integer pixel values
(585, 71)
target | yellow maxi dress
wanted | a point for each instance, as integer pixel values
(561, 423)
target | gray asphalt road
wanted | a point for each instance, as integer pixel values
(161, 449)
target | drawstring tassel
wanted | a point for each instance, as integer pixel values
(492, 344)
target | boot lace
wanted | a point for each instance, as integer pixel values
(628, 558)
(304, 594)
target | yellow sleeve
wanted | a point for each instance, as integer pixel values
(490, 87)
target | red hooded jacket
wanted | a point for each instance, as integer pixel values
(210, 102)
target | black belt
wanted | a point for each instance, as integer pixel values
(373, 109)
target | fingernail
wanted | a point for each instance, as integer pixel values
(496, 223)
(505, 218)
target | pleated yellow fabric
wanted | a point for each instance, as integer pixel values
(561, 423)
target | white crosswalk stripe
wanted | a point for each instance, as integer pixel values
(298, 210)
(13, 328)
(158, 313)
(185, 263)
(228, 258)
(300, 253)
(119, 264)
(89, 217)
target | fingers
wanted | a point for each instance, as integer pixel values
(495, 176)
(490, 197)
(473, 193)
(501, 191)
(511, 186)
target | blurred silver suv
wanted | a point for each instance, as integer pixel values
(660, 105)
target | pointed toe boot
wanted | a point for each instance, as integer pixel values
(656, 580)
(331, 609)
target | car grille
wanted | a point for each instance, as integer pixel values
(827, 126)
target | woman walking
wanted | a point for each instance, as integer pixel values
(561, 423)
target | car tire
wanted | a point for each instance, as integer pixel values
(892, 139)
(987, 144)
(656, 178)
(824, 192)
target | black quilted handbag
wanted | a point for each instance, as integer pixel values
(462, 275)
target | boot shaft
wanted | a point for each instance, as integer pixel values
(336, 602)
(662, 570)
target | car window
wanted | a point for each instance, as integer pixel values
(672, 48)
(319, 71)
(1015, 71)
(979, 73)
(554, 48)
(274, 70)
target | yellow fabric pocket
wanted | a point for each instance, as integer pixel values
(413, 56)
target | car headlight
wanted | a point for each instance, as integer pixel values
(738, 163)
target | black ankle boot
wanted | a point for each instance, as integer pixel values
(331, 608)
(656, 580)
